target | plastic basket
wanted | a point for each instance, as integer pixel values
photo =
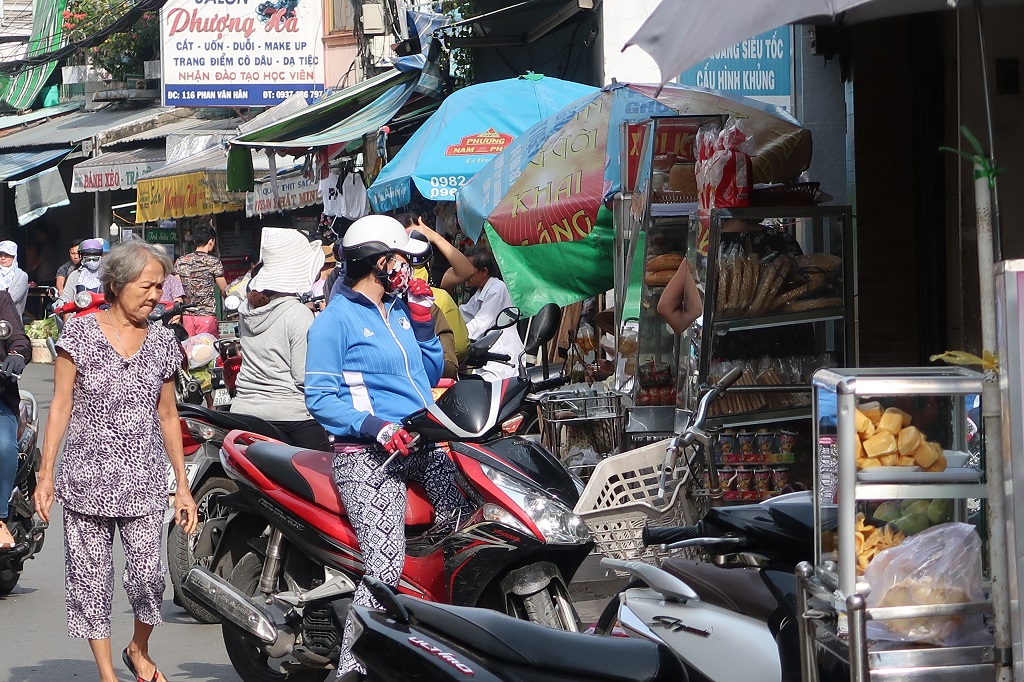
(620, 499)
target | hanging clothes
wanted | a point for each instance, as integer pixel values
(345, 197)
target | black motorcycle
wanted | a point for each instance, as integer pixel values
(27, 531)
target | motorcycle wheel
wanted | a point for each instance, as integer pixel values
(180, 546)
(249, 662)
(8, 580)
(550, 607)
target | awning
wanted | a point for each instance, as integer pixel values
(193, 186)
(115, 170)
(19, 91)
(536, 18)
(19, 163)
(75, 127)
(326, 113)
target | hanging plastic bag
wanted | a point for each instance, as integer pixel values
(941, 565)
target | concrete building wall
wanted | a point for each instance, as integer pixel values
(620, 19)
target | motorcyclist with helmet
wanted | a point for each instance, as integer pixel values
(86, 277)
(371, 360)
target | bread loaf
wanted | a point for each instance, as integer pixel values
(666, 261)
(926, 455)
(909, 440)
(815, 283)
(812, 304)
(872, 410)
(659, 278)
(825, 262)
(861, 421)
(891, 421)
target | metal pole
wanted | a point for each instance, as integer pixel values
(860, 671)
(997, 242)
(804, 571)
(991, 412)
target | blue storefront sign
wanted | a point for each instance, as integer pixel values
(760, 68)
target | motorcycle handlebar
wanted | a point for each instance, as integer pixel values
(670, 534)
(705, 402)
(496, 357)
(548, 384)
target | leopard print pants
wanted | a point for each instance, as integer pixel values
(89, 570)
(375, 501)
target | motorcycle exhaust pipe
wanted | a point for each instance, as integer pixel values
(231, 604)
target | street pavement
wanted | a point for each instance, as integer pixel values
(34, 646)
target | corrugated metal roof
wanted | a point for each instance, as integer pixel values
(22, 162)
(212, 159)
(15, 120)
(74, 127)
(190, 125)
(128, 156)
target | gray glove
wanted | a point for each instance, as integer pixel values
(12, 366)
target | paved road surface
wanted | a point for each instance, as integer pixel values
(34, 646)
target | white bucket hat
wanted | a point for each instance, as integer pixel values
(290, 262)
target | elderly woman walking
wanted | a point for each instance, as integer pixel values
(114, 402)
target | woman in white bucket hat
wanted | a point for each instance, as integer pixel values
(272, 328)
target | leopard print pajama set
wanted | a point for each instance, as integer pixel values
(113, 474)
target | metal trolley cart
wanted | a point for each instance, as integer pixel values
(582, 427)
(832, 595)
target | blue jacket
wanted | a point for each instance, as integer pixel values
(363, 371)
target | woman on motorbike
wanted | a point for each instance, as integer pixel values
(14, 350)
(371, 362)
(272, 326)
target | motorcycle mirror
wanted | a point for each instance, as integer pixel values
(506, 318)
(6, 329)
(544, 327)
(484, 343)
(232, 303)
(157, 312)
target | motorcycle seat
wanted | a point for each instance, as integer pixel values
(229, 421)
(309, 474)
(496, 636)
(739, 589)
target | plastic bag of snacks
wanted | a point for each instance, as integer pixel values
(941, 565)
(724, 172)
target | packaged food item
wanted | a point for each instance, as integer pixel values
(764, 442)
(745, 440)
(744, 479)
(763, 479)
(725, 477)
(786, 441)
(780, 478)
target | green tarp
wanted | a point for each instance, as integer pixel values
(18, 91)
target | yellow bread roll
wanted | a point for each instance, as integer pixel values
(906, 461)
(869, 462)
(873, 410)
(882, 443)
(925, 455)
(889, 460)
(666, 261)
(861, 421)
(939, 466)
(891, 421)
(909, 440)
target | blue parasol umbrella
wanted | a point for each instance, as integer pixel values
(469, 128)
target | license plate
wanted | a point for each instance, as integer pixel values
(191, 470)
(221, 397)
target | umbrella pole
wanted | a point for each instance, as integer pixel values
(997, 242)
(991, 407)
(986, 201)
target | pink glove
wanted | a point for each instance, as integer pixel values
(421, 298)
(395, 439)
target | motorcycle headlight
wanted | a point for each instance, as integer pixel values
(558, 524)
(83, 299)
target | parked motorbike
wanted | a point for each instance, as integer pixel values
(27, 531)
(285, 603)
(202, 434)
(84, 303)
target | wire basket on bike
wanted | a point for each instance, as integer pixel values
(582, 427)
(622, 497)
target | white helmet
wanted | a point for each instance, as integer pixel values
(375, 235)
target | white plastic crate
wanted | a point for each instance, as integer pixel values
(621, 498)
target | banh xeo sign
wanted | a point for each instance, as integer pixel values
(240, 52)
(106, 178)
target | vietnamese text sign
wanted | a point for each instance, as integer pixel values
(240, 52)
(760, 68)
(105, 178)
(177, 196)
(291, 193)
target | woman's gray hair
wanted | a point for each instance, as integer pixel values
(125, 263)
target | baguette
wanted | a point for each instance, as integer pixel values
(754, 272)
(769, 274)
(742, 300)
(815, 283)
(722, 293)
(813, 304)
(824, 262)
(666, 261)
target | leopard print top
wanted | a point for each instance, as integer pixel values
(114, 461)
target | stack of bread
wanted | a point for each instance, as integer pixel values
(659, 270)
(749, 285)
(886, 438)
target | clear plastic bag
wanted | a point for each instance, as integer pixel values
(941, 565)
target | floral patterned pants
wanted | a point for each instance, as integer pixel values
(374, 498)
(89, 570)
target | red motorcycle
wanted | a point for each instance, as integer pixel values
(297, 561)
(84, 303)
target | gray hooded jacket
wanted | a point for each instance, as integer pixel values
(270, 383)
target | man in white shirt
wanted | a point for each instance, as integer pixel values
(481, 312)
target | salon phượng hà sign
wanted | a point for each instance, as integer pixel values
(292, 193)
(760, 68)
(240, 52)
(176, 196)
(557, 196)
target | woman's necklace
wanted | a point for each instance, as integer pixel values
(113, 326)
